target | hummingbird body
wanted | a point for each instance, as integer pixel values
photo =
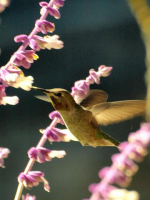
(83, 120)
(88, 133)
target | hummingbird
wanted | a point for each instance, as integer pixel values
(83, 120)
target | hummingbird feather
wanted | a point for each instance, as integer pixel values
(94, 97)
(114, 112)
(43, 98)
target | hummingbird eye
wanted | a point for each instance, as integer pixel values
(58, 94)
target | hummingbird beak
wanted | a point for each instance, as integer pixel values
(40, 89)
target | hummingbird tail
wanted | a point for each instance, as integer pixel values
(107, 140)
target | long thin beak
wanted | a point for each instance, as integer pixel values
(40, 89)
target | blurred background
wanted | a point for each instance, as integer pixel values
(94, 33)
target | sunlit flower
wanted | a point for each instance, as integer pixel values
(32, 179)
(23, 82)
(53, 42)
(37, 43)
(104, 71)
(3, 154)
(6, 99)
(9, 100)
(122, 194)
(4, 4)
(6, 77)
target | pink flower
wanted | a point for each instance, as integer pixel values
(58, 3)
(123, 167)
(24, 58)
(32, 179)
(57, 135)
(28, 197)
(44, 26)
(51, 10)
(42, 154)
(54, 114)
(81, 88)
(6, 77)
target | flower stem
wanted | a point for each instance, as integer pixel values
(33, 32)
(32, 161)
(19, 191)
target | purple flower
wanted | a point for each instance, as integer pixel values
(37, 43)
(57, 135)
(21, 38)
(51, 10)
(15, 69)
(47, 42)
(59, 3)
(123, 167)
(104, 71)
(123, 163)
(81, 88)
(44, 26)
(135, 151)
(54, 12)
(2, 91)
(42, 154)
(6, 77)
(56, 114)
(24, 58)
(3, 154)
(15, 78)
(142, 136)
(32, 179)
(114, 175)
(99, 191)
(28, 197)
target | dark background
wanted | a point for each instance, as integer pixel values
(94, 33)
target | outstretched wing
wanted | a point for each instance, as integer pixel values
(43, 98)
(114, 112)
(94, 97)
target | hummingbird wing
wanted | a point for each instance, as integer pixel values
(43, 98)
(94, 97)
(114, 112)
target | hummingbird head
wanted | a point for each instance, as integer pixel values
(61, 99)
